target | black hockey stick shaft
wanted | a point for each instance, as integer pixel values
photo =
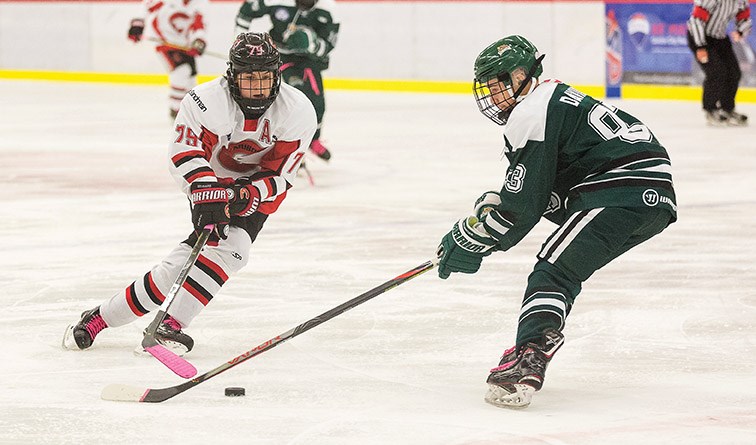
(180, 279)
(162, 394)
(149, 343)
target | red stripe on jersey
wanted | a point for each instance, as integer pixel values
(701, 14)
(250, 124)
(201, 298)
(743, 15)
(275, 159)
(209, 140)
(132, 304)
(153, 287)
(267, 208)
(203, 174)
(214, 267)
(270, 183)
(155, 7)
(187, 154)
(197, 23)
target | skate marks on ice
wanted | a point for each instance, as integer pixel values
(657, 346)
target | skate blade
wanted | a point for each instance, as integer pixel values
(174, 347)
(518, 399)
(69, 342)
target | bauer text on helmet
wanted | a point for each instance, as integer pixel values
(253, 72)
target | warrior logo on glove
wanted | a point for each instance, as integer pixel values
(209, 195)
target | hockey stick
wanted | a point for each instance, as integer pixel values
(150, 344)
(126, 393)
(292, 26)
(310, 178)
(186, 48)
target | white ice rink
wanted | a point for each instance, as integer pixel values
(660, 346)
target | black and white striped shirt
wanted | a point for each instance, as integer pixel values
(710, 18)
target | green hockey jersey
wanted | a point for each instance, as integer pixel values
(284, 15)
(569, 152)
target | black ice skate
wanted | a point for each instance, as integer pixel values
(716, 118)
(170, 335)
(82, 334)
(320, 150)
(735, 119)
(520, 373)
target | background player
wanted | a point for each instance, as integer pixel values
(238, 142)
(305, 31)
(179, 29)
(596, 171)
(707, 38)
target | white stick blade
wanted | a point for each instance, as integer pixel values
(123, 393)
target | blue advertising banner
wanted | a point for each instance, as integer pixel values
(646, 43)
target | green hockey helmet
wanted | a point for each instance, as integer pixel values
(499, 62)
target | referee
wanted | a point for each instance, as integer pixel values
(707, 38)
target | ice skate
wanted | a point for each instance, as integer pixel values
(735, 119)
(716, 118)
(82, 334)
(320, 150)
(170, 336)
(520, 374)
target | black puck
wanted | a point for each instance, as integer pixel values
(235, 391)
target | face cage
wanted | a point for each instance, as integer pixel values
(497, 113)
(254, 107)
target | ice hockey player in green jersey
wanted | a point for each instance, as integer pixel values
(594, 170)
(305, 33)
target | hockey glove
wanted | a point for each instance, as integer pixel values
(197, 47)
(245, 199)
(303, 41)
(136, 30)
(488, 201)
(210, 206)
(463, 248)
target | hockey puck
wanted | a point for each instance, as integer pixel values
(234, 391)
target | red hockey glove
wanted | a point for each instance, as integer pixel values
(245, 201)
(197, 48)
(136, 30)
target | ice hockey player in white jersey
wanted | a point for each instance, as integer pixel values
(178, 27)
(238, 142)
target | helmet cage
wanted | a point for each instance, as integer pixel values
(499, 111)
(498, 63)
(251, 53)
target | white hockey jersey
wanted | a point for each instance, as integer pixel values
(214, 142)
(175, 22)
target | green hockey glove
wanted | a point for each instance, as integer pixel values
(303, 41)
(463, 248)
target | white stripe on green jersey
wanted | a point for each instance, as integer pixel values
(570, 152)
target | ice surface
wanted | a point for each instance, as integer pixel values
(659, 346)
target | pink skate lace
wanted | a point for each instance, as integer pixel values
(95, 325)
(317, 147)
(507, 364)
(173, 323)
